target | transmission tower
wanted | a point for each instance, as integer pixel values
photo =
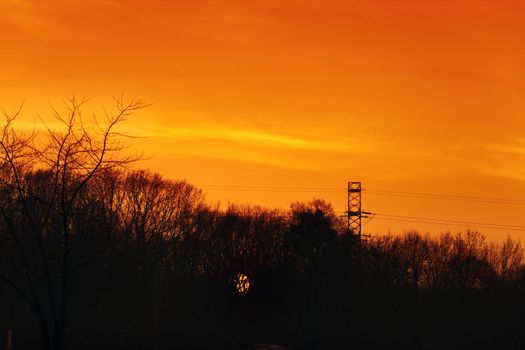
(354, 208)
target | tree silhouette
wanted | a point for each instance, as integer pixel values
(107, 257)
(43, 186)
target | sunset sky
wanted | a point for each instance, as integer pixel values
(278, 97)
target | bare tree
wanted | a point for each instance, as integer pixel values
(42, 178)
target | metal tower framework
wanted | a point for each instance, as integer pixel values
(354, 208)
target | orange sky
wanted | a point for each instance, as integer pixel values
(418, 96)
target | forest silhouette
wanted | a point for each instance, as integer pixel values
(95, 255)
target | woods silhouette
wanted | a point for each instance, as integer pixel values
(94, 255)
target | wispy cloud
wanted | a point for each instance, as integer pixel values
(508, 159)
(516, 148)
(28, 16)
(262, 138)
(39, 17)
(244, 143)
(253, 136)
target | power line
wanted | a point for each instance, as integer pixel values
(380, 192)
(392, 217)
(445, 196)
(449, 224)
(270, 188)
(448, 220)
(452, 222)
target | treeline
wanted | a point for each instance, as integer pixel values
(151, 265)
(94, 256)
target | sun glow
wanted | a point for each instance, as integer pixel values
(242, 284)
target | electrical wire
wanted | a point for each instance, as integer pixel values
(270, 188)
(445, 197)
(439, 221)
(392, 217)
(450, 224)
(380, 192)
(453, 221)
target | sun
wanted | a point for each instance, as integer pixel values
(242, 284)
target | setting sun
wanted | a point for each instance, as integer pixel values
(242, 284)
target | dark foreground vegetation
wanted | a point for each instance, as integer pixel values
(93, 256)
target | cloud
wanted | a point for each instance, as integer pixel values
(42, 18)
(514, 147)
(26, 15)
(253, 136)
(262, 138)
(508, 159)
(301, 151)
